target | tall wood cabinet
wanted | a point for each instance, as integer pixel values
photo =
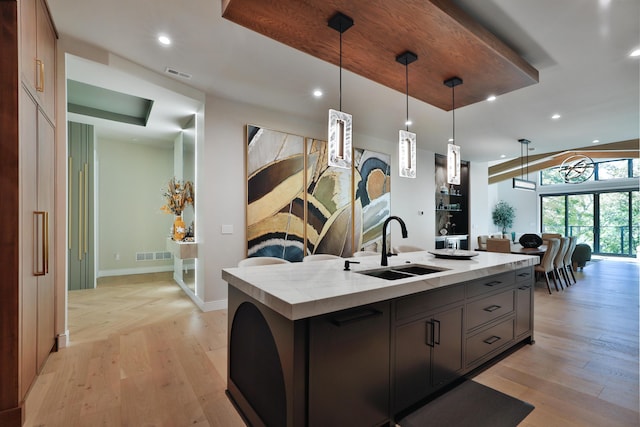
(27, 174)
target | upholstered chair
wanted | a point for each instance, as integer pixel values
(261, 260)
(546, 263)
(499, 245)
(319, 257)
(482, 242)
(568, 267)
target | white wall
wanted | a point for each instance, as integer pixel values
(222, 186)
(131, 178)
(480, 202)
(525, 203)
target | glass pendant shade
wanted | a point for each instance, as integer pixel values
(407, 154)
(340, 147)
(453, 164)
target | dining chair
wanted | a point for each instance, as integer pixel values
(558, 262)
(482, 242)
(497, 236)
(546, 236)
(568, 265)
(406, 248)
(499, 245)
(359, 254)
(319, 257)
(546, 263)
(261, 260)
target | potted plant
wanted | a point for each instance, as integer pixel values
(503, 215)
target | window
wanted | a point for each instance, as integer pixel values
(605, 170)
(580, 209)
(615, 169)
(609, 222)
(553, 220)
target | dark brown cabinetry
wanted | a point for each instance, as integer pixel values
(369, 364)
(27, 165)
(349, 367)
(428, 344)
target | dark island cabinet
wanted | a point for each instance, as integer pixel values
(370, 364)
(349, 367)
(428, 355)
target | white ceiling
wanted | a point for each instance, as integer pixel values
(580, 48)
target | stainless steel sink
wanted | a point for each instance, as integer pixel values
(402, 271)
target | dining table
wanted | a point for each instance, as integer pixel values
(517, 248)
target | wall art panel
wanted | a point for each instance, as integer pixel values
(372, 187)
(275, 194)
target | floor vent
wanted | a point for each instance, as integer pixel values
(177, 73)
(153, 256)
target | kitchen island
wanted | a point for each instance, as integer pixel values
(310, 344)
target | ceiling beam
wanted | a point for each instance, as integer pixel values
(451, 42)
(550, 160)
(609, 150)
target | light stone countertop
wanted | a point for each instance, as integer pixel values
(305, 289)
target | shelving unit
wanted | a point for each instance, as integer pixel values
(451, 206)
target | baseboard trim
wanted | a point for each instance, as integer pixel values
(140, 270)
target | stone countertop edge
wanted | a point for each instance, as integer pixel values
(302, 290)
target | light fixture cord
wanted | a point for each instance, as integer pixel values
(340, 90)
(453, 108)
(406, 67)
(521, 160)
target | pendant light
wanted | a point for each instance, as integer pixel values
(453, 150)
(406, 139)
(340, 129)
(521, 183)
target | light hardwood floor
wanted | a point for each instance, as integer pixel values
(141, 354)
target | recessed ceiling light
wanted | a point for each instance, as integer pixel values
(164, 40)
(491, 98)
(635, 53)
(502, 156)
(555, 116)
(595, 141)
(317, 93)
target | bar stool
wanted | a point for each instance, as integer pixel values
(319, 257)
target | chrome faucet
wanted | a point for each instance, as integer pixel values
(383, 261)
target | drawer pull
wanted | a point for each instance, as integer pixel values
(355, 317)
(491, 340)
(524, 274)
(524, 288)
(495, 282)
(492, 308)
(430, 341)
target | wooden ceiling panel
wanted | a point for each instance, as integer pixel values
(447, 41)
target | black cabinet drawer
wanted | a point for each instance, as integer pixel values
(489, 340)
(424, 302)
(489, 284)
(489, 308)
(524, 274)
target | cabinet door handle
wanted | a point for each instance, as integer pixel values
(40, 75)
(495, 282)
(492, 308)
(80, 212)
(491, 340)
(86, 208)
(436, 340)
(40, 243)
(430, 331)
(356, 316)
